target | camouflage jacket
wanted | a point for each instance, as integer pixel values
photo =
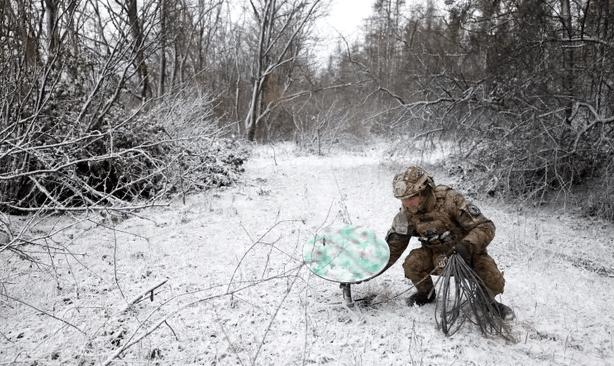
(446, 210)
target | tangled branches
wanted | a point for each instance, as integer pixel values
(530, 154)
(51, 169)
(522, 146)
(59, 166)
(463, 296)
(51, 165)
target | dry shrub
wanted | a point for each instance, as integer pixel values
(202, 156)
(53, 162)
(533, 154)
(598, 196)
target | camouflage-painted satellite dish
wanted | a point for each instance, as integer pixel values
(346, 255)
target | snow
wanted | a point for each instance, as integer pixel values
(237, 292)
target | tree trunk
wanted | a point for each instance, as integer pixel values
(603, 33)
(51, 8)
(254, 106)
(162, 48)
(252, 115)
(137, 34)
(568, 58)
(175, 63)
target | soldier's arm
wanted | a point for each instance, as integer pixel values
(480, 230)
(397, 238)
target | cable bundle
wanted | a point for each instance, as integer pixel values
(463, 296)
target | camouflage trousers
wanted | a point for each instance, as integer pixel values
(422, 261)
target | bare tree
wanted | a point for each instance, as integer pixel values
(130, 7)
(280, 25)
(568, 56)
(162, 76)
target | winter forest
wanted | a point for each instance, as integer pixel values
(162, 164)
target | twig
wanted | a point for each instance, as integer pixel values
(436, 130)
(142, 295)
(268, 256)
(7, 338)
(227, 337)
(130, 343)
(86, 208)
(172, 330)
(120, 350)
(275, 314)
(252, 247)
(45, 313)
(115, 264)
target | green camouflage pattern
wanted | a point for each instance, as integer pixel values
(347, 255)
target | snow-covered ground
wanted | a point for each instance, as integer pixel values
(237, 292)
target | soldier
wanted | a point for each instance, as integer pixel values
(445, 223)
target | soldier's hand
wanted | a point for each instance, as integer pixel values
(462, 249)
(432, 238)
(429, 238)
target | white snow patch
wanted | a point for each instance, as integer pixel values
(275, 311)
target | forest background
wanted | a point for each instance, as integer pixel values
(105, 102)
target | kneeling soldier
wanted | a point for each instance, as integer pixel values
(445, 223)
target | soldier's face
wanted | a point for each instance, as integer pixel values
(412, 203)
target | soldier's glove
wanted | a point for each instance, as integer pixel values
(432, 238)
(463, 250)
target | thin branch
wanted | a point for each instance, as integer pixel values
(45, 313)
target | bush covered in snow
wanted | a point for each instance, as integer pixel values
(54, 161)
(540, 160)
(519, 148)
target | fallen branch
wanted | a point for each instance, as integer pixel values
(122, 349)
(142, 295)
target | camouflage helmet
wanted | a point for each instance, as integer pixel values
(411, 182)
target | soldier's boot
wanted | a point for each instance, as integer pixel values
(421, 298)
(503, 311)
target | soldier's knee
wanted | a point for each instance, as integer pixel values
(496, 283)
(486, 268)
(409, 267)
(416, 262)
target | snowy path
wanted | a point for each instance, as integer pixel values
(278, 313)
